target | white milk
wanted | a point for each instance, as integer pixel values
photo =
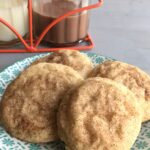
(16, 13)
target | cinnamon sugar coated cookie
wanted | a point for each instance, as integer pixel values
(99, 115)
(78, 61)
(30, 103)
(132, 77)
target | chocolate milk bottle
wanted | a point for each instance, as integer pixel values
(69, 31)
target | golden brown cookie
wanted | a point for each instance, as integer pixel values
(99, 115)
(30, 103)
(72, 58)
(132, 77)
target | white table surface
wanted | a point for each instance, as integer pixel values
(120, 29)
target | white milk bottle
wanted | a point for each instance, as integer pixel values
(15, 12)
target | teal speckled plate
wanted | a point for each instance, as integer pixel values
(9, 143)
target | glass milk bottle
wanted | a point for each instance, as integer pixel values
(69, 31)
(15, 12)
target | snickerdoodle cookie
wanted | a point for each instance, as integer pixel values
(78, 61)
(132, 77)
(29, 105)
(99, 115)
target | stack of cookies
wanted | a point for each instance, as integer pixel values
(62, 96)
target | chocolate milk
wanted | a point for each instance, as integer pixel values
(68, 31)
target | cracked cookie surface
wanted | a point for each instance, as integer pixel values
(78, 61)
(99, 115)
(130, 76)
(30, 103)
